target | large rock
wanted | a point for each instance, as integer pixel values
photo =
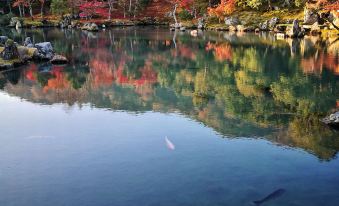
(90, 27)
(66, 21)
(273, 22)
(183, 28)
(26, 53)
(3, 40)
(310, 16)
(332, 120)
(295, 31)
(232, 28)
(44, 51)
(14, 21)
(264, 26)
(59, 59)
(18, 25)
(315, 29)
(232, 21)
(28, 42)
(10, 51)
(201, 23)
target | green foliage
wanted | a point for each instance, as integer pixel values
(59, 7)
(5, 19)
(185, 15)
(255, 4)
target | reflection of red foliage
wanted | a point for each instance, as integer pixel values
(222, 51)
(101, 72)
(30, 73)
(58, 82)
(148, 76)
(316, 64)
(185, 52)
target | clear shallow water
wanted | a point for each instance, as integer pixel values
(241, 110)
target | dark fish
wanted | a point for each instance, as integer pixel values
(272, 196)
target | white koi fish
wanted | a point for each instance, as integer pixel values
(169, 144)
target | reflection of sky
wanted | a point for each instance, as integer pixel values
(98, 157)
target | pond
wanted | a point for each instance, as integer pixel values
(145, 116)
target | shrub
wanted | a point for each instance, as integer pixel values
(5, 19)
(185, 15)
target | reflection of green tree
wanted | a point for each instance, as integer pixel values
(311, 135)
(77, 76)
(43, 77)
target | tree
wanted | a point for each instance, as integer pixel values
(59, 7)
(323, 8)
(21, 4)
(93, 8)
(42, 5)
(179, 4)
(110, 4)
(24, 3)
(225, 7)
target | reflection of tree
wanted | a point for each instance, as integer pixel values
(237, 86)
(311, 135)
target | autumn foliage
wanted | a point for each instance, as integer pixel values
(225, 7)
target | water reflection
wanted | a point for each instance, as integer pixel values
(238, 84)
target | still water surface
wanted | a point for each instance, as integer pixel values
(240, 112)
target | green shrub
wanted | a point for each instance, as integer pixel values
(5, 19)
(185, 15)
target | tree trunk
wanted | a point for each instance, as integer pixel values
(109, 12)
(31, 11)
(130, 6)
(269, 5)
(135, 8)
(20, 12)
(9, 6)
(174, 14)
(42, 9)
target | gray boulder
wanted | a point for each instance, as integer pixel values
(59, 59)
(273, 22)
(44, 51)
(201, 23)
(183, 28)
(3, 40)
(264, 26)
(66, 21)
(295, 31)
(232, 21)
(332, 120)
(28, 42)
(14, 21)
(315, 29)
(18, 25)
(90, 27)
(310, 16)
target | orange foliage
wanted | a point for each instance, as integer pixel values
(225, 7)
(59, 82)
(315, 65)
(101, 73)
(30, 73)
(184, 51)
(222, 51)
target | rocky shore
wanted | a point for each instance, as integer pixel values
(13, 54)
